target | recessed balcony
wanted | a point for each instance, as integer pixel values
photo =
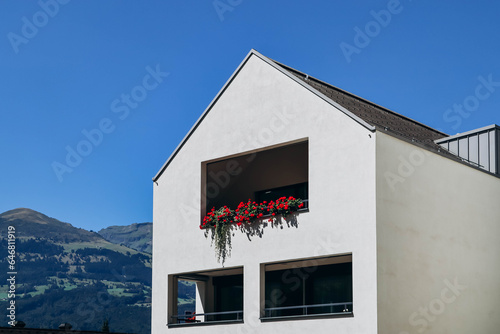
(316, 287)
(263, 175)
(219, 298)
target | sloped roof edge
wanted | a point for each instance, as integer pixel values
(193, 128)
(281, 69)
(288, 68)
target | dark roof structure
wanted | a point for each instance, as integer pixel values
(381, 118)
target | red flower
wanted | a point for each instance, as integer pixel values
(250, 210)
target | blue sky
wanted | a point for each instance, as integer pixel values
(134, 76)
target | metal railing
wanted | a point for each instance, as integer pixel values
(212, 317)
(316, 309)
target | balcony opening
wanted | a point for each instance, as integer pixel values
(217, 297)
(308, 288)
(263, 175)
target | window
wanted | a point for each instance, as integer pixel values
(313, 287)
(266, 174)
(215, 297)
(296, 190)
(228, 291)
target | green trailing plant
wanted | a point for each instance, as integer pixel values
(221, 236)
(221, 221)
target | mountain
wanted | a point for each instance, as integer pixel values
(135, 236)
(31, 223)
(68, 274)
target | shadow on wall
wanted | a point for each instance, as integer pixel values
(256, 228)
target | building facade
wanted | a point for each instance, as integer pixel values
(399, 232)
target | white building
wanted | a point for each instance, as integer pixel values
(401, 234)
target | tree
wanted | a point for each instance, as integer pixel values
(105, 326)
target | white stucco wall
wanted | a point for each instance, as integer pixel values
(438, 243)
(263, 107)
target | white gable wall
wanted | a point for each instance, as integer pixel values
(260, 108)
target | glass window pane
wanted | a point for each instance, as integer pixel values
(308, 287)
(186, 298)
(329, 284)
(284, 288)
(228, 291)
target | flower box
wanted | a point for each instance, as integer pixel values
(221, 220)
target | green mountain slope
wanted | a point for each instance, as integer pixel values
(135, 236)
(66, 274)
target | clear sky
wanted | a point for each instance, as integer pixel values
(122, 82)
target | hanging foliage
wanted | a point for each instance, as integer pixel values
(222, 220)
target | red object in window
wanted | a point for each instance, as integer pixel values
(192, 318)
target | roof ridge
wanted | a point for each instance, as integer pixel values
(308, 77)
(368, 114)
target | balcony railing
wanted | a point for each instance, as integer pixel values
(308, 310)
(212, 317)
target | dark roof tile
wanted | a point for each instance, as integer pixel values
(381, 118)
